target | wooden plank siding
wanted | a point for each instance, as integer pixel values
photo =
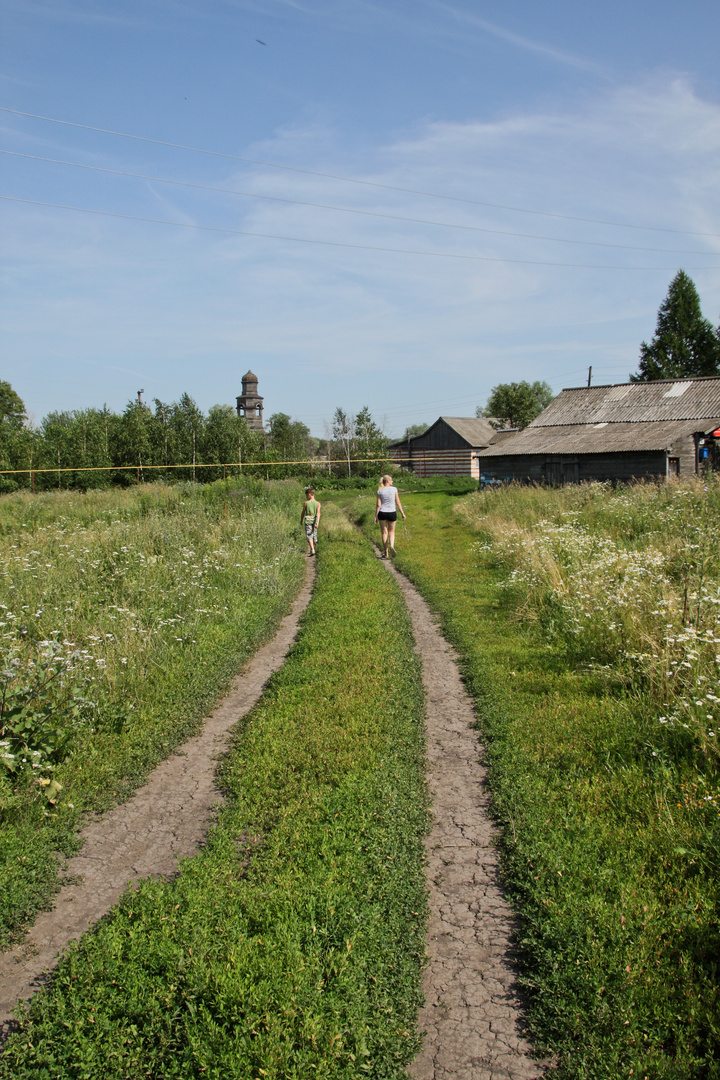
(423, 462)
(557, 469)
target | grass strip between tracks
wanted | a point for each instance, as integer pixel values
(618, 937)
(293, 945)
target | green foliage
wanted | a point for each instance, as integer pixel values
(684, 343)
(153, 442)
(517, 404)
(415, 429)
(289, 441)
(12, 407)
(293, 944)
(609, 827)
(354, 439)
(122, 617)
(39, 707)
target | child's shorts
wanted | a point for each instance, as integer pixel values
(311, 531)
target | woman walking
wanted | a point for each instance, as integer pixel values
(386, 508)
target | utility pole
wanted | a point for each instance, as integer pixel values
(589, 376)
(140, 394)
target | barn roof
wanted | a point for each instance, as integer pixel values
(598, 438)
(475, 431)
(634, 403)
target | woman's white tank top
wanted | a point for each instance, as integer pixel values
(387, 499)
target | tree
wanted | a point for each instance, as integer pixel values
(288, 438)
(369, 442)
(415, 429)
(12, 407)
(516, 404)
(343, 430)
(15, 437)
(187, 424)
(684, 343)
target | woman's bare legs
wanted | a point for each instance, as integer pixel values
(391, 538)
(384, 535)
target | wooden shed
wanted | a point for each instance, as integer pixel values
(631, 431)
(449, 447)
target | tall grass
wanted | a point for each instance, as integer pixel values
(628, 579)
(292, 945)
(122, 616)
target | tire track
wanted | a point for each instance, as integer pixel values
(472, 1017)
(164, 821)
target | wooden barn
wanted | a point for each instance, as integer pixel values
(449, 447)
(634, 431)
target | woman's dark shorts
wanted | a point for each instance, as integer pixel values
(387, 515)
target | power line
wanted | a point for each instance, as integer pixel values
(339, 243)
(346, 209)
(351, 179)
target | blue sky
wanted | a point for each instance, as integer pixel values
(559, 161)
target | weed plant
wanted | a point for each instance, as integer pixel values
(292, 945)
(122, 617)
(609, 815)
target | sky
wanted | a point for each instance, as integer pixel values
(397, 204)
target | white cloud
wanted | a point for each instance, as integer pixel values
(328, 325)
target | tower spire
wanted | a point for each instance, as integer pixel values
(250, 404)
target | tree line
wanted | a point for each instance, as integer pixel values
(175, 441)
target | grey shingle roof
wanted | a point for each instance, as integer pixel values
(634, 403)
(600, 438)
(475, 430)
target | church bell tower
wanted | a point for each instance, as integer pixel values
(250, 404)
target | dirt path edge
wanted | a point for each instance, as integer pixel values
(473, 1016)
(167, 819)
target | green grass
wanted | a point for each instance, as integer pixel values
(123, 617)
(293, 945)
(604, 829)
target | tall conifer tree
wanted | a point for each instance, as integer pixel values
(684, 343)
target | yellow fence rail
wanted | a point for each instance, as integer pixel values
(314, 463)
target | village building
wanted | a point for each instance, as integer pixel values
(250, 404)
(631, 431)
(449, 447)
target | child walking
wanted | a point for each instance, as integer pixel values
(310, 518)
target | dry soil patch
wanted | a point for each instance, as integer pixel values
(165, 820)
(472, 1017)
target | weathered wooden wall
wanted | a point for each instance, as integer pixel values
(458, 462)
(574, 469)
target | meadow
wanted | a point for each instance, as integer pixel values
(123, 617)
(292, 945)
(587, 622)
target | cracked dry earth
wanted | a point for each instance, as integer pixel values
(165, 820)
(472, 1017)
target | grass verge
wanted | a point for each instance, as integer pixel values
(602, 851)
(293, 945)
(123, 617)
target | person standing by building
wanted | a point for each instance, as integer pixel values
(310, 518)
(386, 508)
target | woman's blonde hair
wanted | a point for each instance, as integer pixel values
(386, 479)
